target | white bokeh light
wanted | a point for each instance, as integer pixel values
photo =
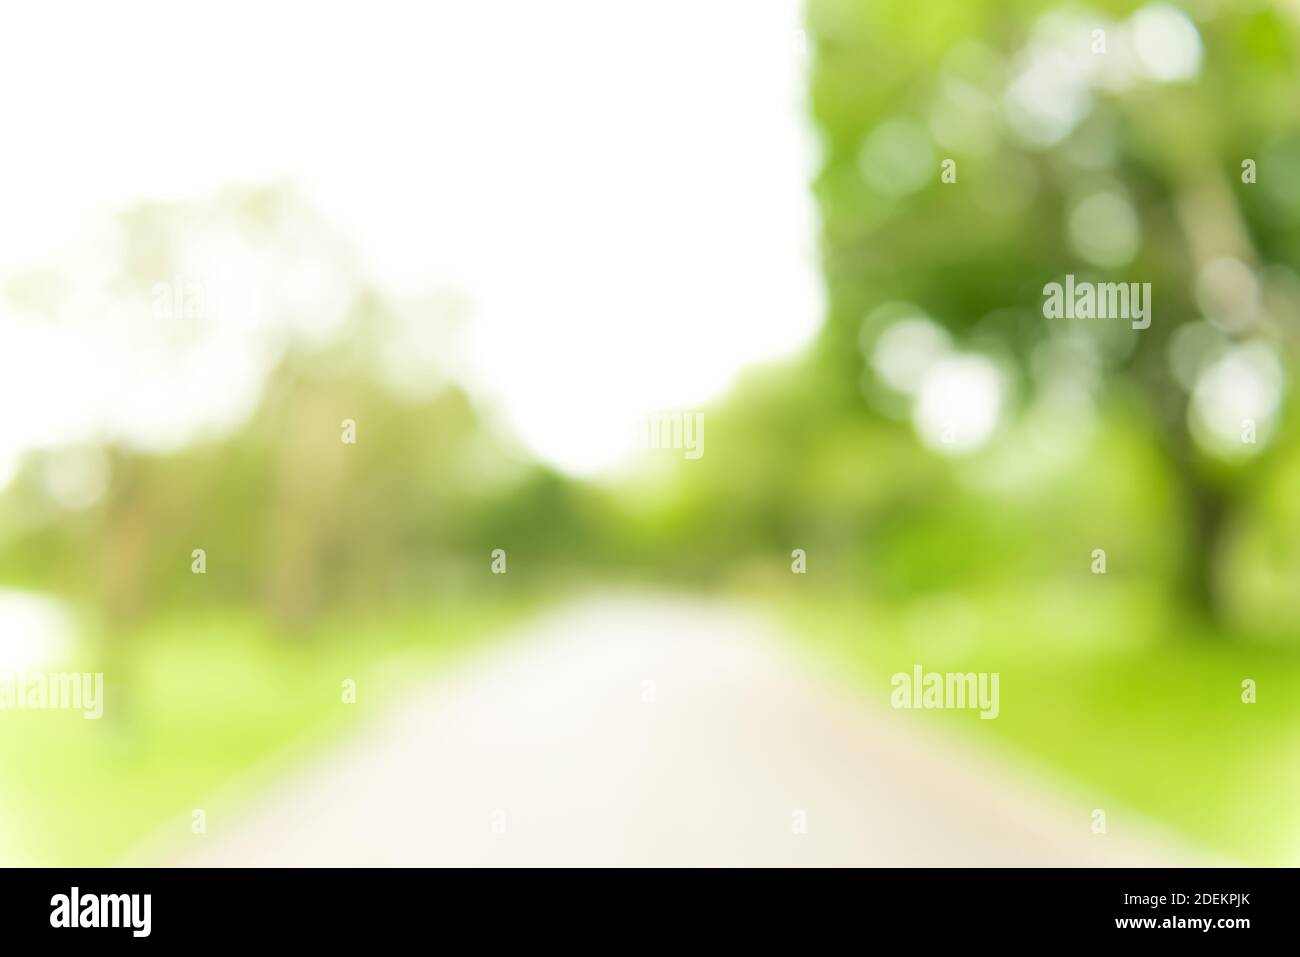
(35, 631)
(1104, 229)
(1166, 43)
(959, 404)
(897, 157)
(1048, 97)
(906, 351)
(1238, 394)
(76, 478)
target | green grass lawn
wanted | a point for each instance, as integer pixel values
(200, 703)
(1106, 691)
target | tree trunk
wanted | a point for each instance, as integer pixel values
(1207, 509)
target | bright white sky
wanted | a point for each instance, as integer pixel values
(618, 188)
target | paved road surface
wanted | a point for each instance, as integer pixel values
(635, 730)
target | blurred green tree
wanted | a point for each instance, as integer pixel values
(1107, 142)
